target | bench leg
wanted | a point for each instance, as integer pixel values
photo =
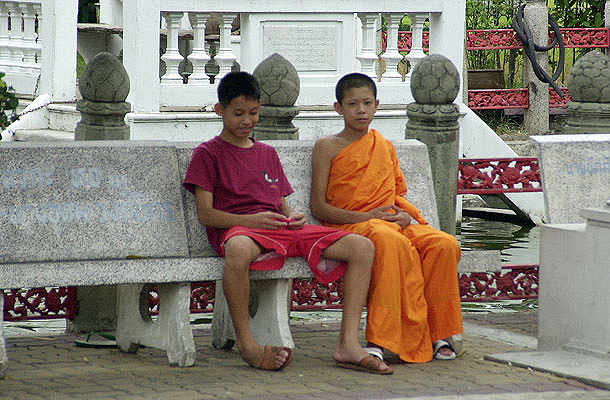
(270, 323)
(3, 356)
(223, 333)
(170, 332)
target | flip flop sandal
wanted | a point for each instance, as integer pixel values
(375, 352)
(439, 344)
(368, 364)
(108, 340)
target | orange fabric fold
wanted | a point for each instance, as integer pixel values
(414, 295)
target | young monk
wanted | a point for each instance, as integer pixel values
(357, 185)
(240, 191)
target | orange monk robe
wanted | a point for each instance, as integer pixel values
(414, 295)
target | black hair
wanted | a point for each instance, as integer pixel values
(354, 80)
(235, 84)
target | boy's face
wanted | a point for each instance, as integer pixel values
(238, 118)
(358, 108)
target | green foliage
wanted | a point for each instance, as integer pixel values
(578, 13)
(8, 104)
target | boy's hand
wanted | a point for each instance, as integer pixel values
(400, 217)
(296, 220)
(267, 220)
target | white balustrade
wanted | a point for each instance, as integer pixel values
(368, 55)
(199, 56)
(20, 49)
(225, 55)
(391, 56)
(172, 57)
(417, 39)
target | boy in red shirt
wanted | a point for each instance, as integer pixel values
(240, 191)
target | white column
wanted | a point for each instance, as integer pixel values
(57, 32)
(391, 56)
(367, 55)
(172, 56)
(141, 21)
(198, 57)
(225, 55)
(417, 39)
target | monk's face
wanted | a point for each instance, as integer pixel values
(358, 108)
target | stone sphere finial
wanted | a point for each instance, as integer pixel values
(589, 79)
(435, 80)
(279, 81)
(104, 79)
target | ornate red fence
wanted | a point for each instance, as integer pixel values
(499, 175)
(501, 39)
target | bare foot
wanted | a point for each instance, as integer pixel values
(266, 357)
(355, 358)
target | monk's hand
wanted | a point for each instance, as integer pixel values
(267, 220)
(296, 220)
(379, 213)
(399, 217)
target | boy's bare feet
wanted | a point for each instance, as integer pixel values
(266, 357)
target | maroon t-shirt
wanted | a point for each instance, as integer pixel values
(241, 180)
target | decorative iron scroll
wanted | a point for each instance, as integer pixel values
(500, 39)
(39, 303)
(501, 175)
(513, 282)
(499, 99)
(202, 298)
(488, 99)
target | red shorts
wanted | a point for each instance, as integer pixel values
(308, 242)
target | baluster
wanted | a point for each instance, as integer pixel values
(417, 39)
(172, 56)
(29, 38)
(15, 38)
(37, 11)
(367, 55)
(198, 57)
(5, 55)
(225, 55)
(391, 56)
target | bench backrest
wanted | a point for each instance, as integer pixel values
(575, 171)
(90, 200)
(296, 160)
(116, 199)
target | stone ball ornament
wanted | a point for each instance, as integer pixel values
(589, 79)
(104, 79)
(435, 80)
(279, 81)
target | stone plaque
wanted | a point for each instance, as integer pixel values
(309, 46)
(90, 200)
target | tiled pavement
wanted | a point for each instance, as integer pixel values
(52, 367)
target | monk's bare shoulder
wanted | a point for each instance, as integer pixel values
(327, 147)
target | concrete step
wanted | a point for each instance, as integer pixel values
(63, 117)
(43, 135)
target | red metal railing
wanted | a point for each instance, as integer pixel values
(501, 39)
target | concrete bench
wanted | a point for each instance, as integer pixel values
(106, 213)
(574, 250)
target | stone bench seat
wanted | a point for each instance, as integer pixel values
(115, 213)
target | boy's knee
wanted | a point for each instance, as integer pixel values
(240, 250)
(362, 247)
